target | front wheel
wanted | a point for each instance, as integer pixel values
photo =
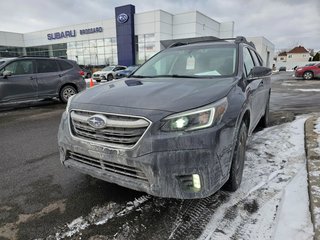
(307, 75)
(66, 92)
(238, 159)
(110, 77)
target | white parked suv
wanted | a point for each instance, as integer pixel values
(107, 73)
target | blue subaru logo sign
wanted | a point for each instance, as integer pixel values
(97, 121)
(122, 18)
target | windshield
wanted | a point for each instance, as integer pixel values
(107, 69)
(197, 62)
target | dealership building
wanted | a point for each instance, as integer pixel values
(129, 38)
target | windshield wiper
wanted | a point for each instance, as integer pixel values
(174, 76)
(139, 76)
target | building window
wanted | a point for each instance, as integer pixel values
(6, 51)
(145, 47)
(289, 56)
(281, 58)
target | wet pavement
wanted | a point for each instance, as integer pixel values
(40, 199)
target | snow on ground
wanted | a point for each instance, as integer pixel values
(272, 202)
(317, 130)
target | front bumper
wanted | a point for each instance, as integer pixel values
(99, 78)
(159, 169)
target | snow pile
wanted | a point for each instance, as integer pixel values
(273, 201)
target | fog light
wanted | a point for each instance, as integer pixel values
(196, 181)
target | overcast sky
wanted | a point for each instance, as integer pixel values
(286, 23)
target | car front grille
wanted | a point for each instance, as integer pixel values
(119, 132)
(120, 169)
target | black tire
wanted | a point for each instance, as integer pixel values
(110, 77)
(66, 92)
(264, 122)
(98, 80)
(238, 160)
(307, 75)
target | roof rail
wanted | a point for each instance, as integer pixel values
(237, 40)
(24, 56)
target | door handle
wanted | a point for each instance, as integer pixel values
(32, 78)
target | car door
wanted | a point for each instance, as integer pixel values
(48, 77)
(264, 85)
(21, 84)
(255, 87)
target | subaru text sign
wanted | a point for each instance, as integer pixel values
(73, 33)
(122, 18)
(59, 35)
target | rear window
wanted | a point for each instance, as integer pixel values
(44, 66)
(65, 65)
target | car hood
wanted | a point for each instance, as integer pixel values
(166, 94)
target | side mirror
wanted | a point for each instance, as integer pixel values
(258, 71)
(6, 73)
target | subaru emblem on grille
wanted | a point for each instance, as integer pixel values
(97, 121)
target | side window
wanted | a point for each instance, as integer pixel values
(255, 58)
(64, 65)
(45, 66)
(20, 67)
(248, 62)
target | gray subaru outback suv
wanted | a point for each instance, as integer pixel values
(177, 127)
(28, 78)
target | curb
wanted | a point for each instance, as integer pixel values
(313, 168)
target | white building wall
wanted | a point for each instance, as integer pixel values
(298, 57)
(184, 25)
(226, 30)
(11, 39)
(206, 26)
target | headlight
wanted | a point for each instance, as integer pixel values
(197, 118)
(68, 104)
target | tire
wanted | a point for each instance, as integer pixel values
(307, 75)
(98, 80)
(264, 122)
(238, 160)
(110, 77)
(66, 92)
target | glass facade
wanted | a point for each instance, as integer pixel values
(90, 52)
(94, 52)
(7, 51)
(145, 47)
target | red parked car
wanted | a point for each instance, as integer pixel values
(308, 72)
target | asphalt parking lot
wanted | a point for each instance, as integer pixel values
(39, 199)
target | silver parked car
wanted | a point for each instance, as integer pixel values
(28, 78)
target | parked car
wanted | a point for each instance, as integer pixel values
(126, 72)
(86, 72)
(282, 69)
(107, 73)
(308, 72)
(177, 127)
(26, 78)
